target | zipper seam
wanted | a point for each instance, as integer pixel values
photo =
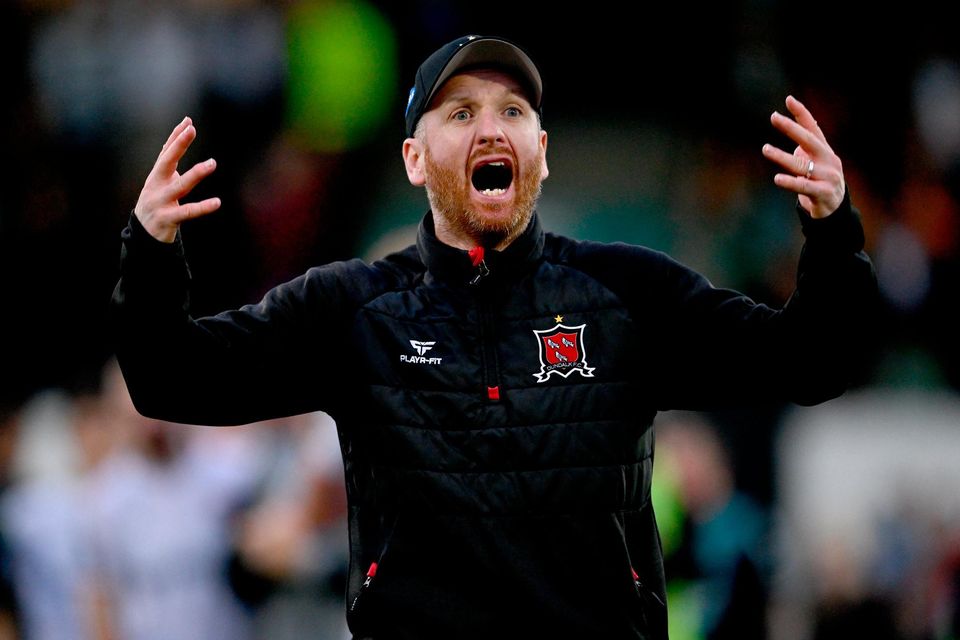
(491, 369)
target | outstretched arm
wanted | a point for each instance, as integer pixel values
(158, 208)
(814, 172)
(722, 348)
(253, 363)
(808, 351)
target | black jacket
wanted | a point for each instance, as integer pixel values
(495, 420)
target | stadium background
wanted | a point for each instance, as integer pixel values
(836, 517)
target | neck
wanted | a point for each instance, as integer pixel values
(449, 234)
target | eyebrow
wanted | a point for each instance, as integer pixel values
(458, 97)
(465, 98)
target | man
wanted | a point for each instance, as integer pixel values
(493, 386)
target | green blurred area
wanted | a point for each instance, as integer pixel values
(342, 73)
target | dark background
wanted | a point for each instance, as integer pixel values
(712, 72)
(656, 115)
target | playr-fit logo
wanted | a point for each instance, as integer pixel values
(421, 348)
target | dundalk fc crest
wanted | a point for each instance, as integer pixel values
(562, 352)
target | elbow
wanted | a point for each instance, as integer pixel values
(151, 391)
(819, 394)
(150, 407)
(828, 378)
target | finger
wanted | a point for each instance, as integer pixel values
(192, 210)
(810, 142)
(185, 184)
(804, 117)
(790, 162)
(800, 185)
(803, 165)
(177, 131)
(171, 156)
(813, 142)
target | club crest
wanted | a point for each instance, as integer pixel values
(562, 352)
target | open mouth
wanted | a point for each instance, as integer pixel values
(492, 178)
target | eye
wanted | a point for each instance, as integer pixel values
(512, 112)
(462, 115)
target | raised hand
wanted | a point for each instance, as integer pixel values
(814, 172)
(158, 207)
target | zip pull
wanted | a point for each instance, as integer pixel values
(371, 572)
(476, 259)
(636, 581)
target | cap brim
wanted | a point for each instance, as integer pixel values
(496, 54)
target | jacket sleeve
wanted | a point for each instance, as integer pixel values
(704, 347)
(258, 362)
(720, 348)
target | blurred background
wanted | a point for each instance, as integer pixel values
(836, 521)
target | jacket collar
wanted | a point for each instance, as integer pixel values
(455, 266)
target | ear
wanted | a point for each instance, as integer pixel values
(544, 172)
(413, 158)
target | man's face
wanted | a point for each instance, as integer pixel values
(482, 156)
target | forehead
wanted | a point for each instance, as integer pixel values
(473, 83)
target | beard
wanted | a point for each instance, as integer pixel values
(449, 195)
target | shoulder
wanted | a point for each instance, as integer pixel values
(360, 281)
(607, 259)
(630, 270)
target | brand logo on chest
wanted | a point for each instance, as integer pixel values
(421, 347)
(562, 352)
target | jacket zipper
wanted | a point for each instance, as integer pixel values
(643, 590)
(371, 572)
(491, 372)
(479, 264)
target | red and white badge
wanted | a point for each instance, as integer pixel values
(562, 352)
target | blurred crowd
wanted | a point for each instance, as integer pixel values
(830, 522)
(118, 526)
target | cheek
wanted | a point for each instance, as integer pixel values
(527, 145)
(531, 157)
(450, 152)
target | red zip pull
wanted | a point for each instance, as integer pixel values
(650, 593)
(371, 572)
(476, 255)
(476, 259)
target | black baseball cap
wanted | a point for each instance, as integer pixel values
(467, 52)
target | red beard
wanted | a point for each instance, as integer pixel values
(449, 195)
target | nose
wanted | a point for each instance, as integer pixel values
(488, 127)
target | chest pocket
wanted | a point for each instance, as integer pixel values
(409, 346)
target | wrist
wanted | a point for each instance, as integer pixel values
(161, 232)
